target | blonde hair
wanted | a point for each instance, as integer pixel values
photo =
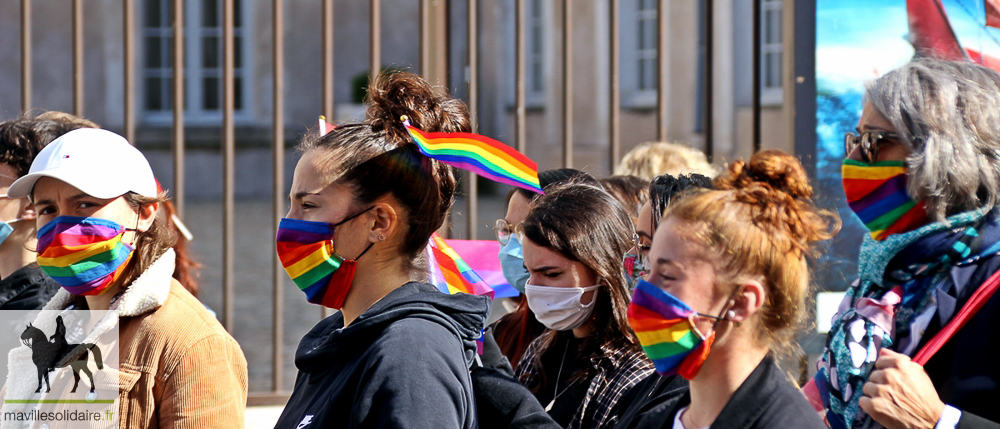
(760, 224)
(652, 159)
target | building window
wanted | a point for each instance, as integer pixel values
(639, 42)
(771, 52)
(645, 58)
(202, 63)
(534, 41)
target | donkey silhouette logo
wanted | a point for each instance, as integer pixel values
(51, 352)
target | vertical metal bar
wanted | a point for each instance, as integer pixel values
(328, 94)
(472, 26)
(278, 158)
(25, 55)
(228, 162)
(128, 60)
(425, 38)
(804, 99)
(178, 107)
(756, 75)
(78, 57)
(662, 69)
(328, 45)
(375, 51)
(567, 76)
(520, 89)
(614, 139)
(709, 72)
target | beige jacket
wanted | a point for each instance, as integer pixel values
(177, 368)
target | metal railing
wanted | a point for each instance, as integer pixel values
(278, 392)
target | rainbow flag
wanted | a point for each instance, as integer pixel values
(481, 155)
(458, 275)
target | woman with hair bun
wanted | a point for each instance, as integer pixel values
(364, 202)
(725, 296)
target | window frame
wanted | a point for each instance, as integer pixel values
(772, 44)
(194, 70)
(632, 54)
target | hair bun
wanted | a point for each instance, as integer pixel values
(773, 169)
(776, 185)
(398, 94)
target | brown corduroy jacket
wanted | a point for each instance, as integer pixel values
(178, 367)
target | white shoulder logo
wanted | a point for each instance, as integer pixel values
(305, 421)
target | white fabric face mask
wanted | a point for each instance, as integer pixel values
(559, 308)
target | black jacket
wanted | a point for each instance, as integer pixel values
(403, 363)
(765, 400)
(965, 371)
(28, 288)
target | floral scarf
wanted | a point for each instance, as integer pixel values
(892, 303)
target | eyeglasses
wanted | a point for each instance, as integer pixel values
(868, 141)
(503, 230)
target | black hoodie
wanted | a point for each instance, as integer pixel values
(403, 363)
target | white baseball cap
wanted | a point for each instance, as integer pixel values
(98, 162)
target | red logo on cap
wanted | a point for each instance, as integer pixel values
(65, 156)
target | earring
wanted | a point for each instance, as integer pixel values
(731, 314)
(381, 237)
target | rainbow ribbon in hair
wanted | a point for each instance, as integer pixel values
(479, 154)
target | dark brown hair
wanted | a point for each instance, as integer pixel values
(665, 187)
(19, 144)
(761, 224)
(152, 243)
(377, 157)
(586, 224)
(517, 329)
(631, 191)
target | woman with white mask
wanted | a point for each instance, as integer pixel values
(515, 330)
(575, 238)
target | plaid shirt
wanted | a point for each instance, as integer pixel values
(617, 370)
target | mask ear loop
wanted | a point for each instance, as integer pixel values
(722, 315)
(348, 219)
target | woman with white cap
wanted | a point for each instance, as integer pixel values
(99, 238)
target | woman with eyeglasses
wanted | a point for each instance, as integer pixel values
(922, 173)
(575, 238)
(515, 330)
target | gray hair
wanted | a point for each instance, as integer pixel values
(948, 115)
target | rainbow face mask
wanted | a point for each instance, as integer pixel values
(84, 255)
(306, 252)
(666, 330)
(876, 192)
